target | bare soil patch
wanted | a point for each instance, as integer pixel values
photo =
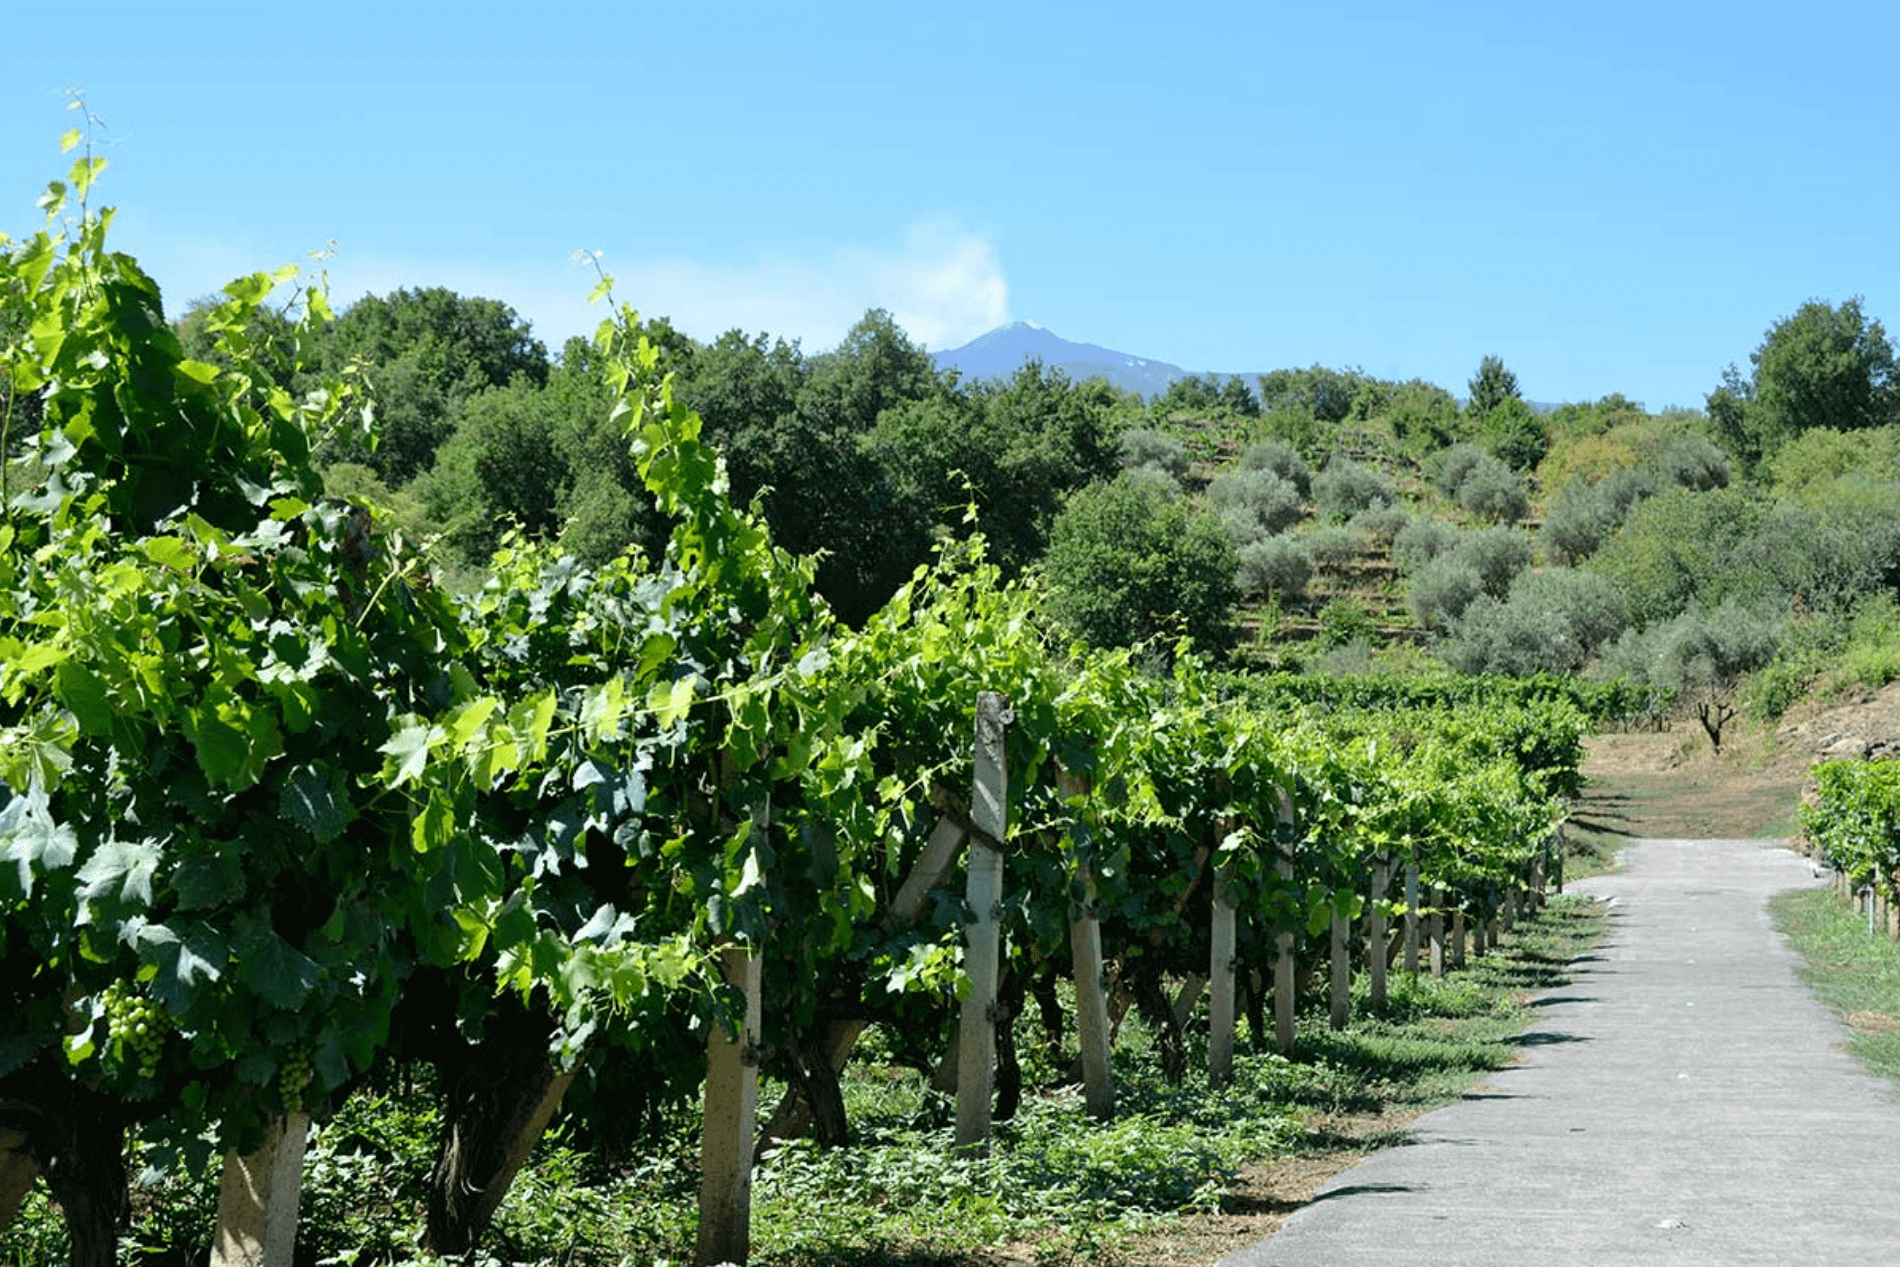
(1673, 785)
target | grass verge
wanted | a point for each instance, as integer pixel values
(1183, 1175)
(1855, 973)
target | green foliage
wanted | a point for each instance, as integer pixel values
(1423, 417)
(1853, 825)
(1441, 590)
(1126, 563)
(1208, 395)
(1421, 540)
(1492, 491)
(1344, 488)
(1491, 387)
(1817, 467)
(1378, 526)
(1279, 566)
(1683, 547)
(370, 821)
(1257, 502)
(1344, 621)
(1597, 441)
(1335, 547)
(1014, 450)
(1553, 621)
(1282, 459)
(423, 353)
(1496, 554)
(1450, 466)
(1149, 448)
(1700, 657)
(1514, 433)
(1317, 392)
(1824, 366)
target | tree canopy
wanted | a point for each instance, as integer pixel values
(1824, 366)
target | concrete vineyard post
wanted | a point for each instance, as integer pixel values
(1375, 923)
(1411, 918)
(1458, 937)
(1438, 931)
(989, 816)
(1220, 971)
(730, 1124)
(1341, 970)
(1284, 970)
(258, 1198)
(1091, 995)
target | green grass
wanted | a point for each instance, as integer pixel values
(1853, 972)
(1055, 1188)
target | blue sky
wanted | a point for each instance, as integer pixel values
(1618, 197)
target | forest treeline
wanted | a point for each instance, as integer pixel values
(1743, 550)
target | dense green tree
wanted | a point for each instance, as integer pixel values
(1014, 450)
(875, 367)
(423, 353)
(1423, 417)
(1238, 399)
(1279, 566)
(1824, 366)
(1321, 392)
(1493, 491)
(1513, 432)
(1493, 385)
(1687, 547)
(1047, 436)
(1441, 589)
(1190, 395)
(1128, 563)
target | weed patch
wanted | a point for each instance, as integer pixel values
(1855, 973)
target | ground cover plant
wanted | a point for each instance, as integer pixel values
(1055, 1189)
(1854, 972)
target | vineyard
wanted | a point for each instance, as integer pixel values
(281, 813)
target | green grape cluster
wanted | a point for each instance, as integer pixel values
(138, 1024)
(293, 1078)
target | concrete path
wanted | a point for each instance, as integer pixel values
(1684, 1101)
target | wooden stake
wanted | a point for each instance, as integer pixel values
(258, 1199)
(729, 1125)
(989, 814)
(1411, 918)
(1188, 998)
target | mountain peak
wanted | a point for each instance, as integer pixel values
(997, 354)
